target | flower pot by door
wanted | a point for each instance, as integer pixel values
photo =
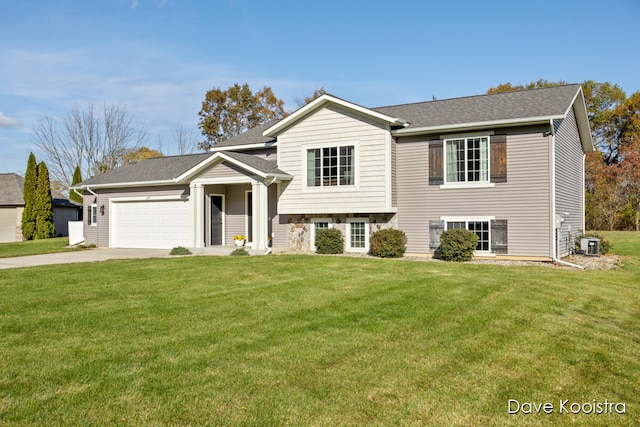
(239, 242)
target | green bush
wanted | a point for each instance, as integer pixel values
(179, 250)
(240, 252)
(389, 243)
(458, 245)
(605, 246)
(329, 241)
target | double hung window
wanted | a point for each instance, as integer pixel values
(467, 160)
(357, 234)
(330, 166)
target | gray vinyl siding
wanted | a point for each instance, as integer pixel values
(569, 181)
(223, 170)
(330, 127)
(524, 200)
(263, 153)
(235, 218)
(99, 234)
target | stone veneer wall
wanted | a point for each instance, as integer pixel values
(299, 226)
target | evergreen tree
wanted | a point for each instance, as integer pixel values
(29, 193)
(43, 205)
(77, 178)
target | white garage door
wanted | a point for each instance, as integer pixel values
(161, 224)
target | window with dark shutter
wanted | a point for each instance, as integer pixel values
(436, 164)
(436, 227)
(499, 158)
(499, 236)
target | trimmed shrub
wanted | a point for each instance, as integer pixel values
(329, 241)
(388, 243)
(240, 252)
(605, 246)
(458, 245)
(179, 250)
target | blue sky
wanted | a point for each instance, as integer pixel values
(159, 57)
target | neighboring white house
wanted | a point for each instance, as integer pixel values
(508, 166)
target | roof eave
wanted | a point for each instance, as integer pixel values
(269, 144)
(475, 125)
(582, 119)
(124, 184)
(320, 102)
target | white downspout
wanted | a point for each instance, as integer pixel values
(554, 253)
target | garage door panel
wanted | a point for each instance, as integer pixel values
(151, 224)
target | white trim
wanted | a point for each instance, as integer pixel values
(552, 192)
(313, 222)
(92, 207)
(225, 180)
(465, 183)
(224, 217)
(302, 210)
(321, 102)
(475, 125)
(366, 235)
(147, 198)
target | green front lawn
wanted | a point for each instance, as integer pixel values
(311, 340)
(35, 247)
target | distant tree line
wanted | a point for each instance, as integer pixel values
(613, 169)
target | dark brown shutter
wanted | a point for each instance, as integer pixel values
(435, 230)
(498, 147)
(436, 165)
(499, 236)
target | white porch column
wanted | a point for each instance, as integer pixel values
(260, 215)
(197, 210)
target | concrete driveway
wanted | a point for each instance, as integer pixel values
(88, 255)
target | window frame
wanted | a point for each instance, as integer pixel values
(93, 214)
(348, 246)
(313, 222)
(445, 161)
(467, 220)
(338, 146)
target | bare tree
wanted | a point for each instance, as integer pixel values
(185, 138)
(94, 139)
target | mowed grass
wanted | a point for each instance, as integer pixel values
(311, 340)
(35, 247)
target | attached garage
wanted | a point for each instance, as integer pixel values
(150, 224)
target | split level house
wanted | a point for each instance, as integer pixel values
(507, 166)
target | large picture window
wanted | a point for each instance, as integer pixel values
(330, 166)
(467, 160)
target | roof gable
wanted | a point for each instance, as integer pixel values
(321, 102)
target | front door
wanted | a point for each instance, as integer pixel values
(216, 220)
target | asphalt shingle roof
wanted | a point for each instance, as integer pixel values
(483, 108)
(11, 187)
(252, 136)
(263, 165)
(150, 170)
